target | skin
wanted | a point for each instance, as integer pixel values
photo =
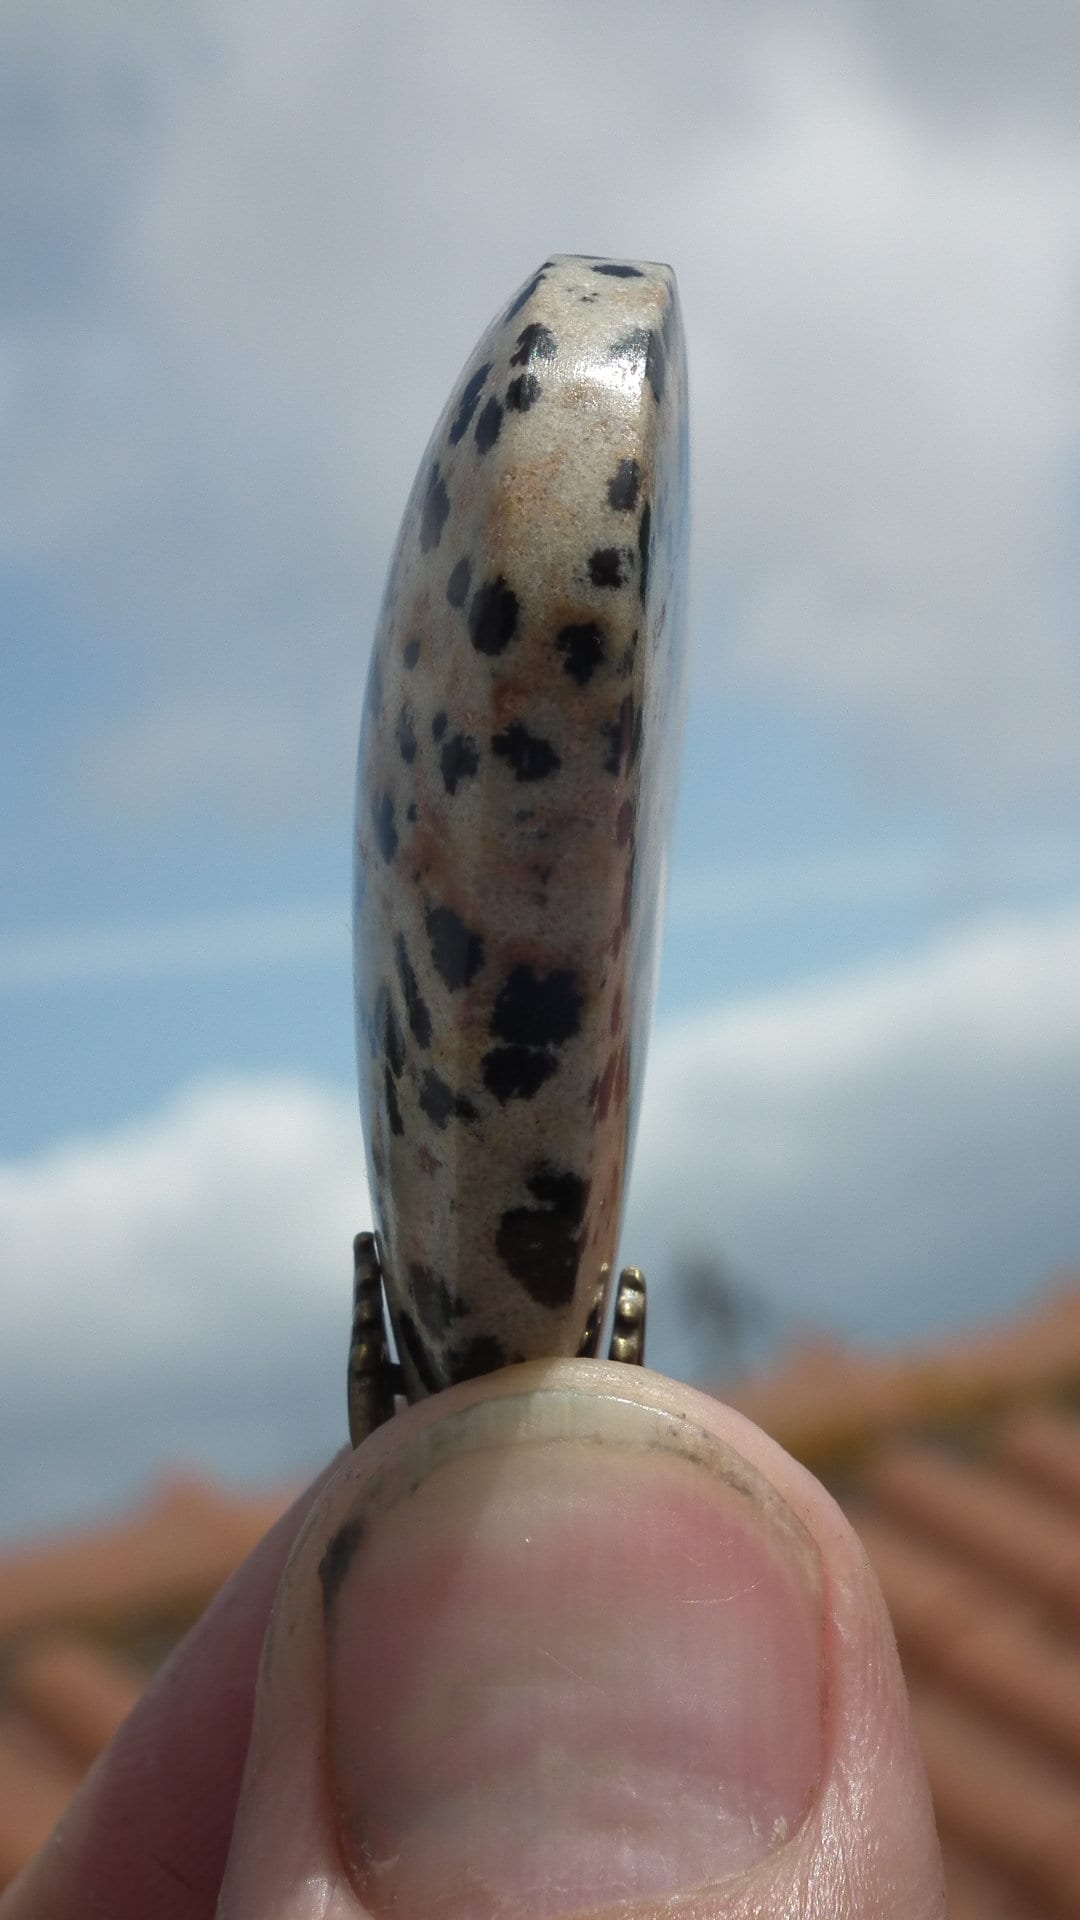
(217, 1796)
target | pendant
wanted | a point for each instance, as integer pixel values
(514, 799)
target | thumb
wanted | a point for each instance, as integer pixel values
(569, 1638)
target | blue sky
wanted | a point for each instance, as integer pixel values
(248, 255)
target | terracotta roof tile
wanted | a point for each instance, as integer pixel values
(167, 1560)
(1009, 1531)
(976, 1892)
(1004, 1801)
(960, 1465)
(994, 1648)
(1044, 1448)
(77, 1693)
(36, 1783)
(63, 1689)
(826, 1403)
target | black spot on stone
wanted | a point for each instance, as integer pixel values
(412, 1346)
(412, 653)
(436, 510)
(488, 425)
(618, 272)
(534, 342)
(338, 1558)
(393, 1040)
(517, 1073)
(457, 952)
(644, 542)
(405, 733)
(537, 1009)
(523, 392)
(531, 757)
(459, 760)
(493, 616)
(436, 1098)
(605, 567)
(623, 486)
(470, 395)
(382, 813)
(436, 1303)
(441, 1103)
(457, 587)
(644, 350)
(393, 1110)
(410, 813)
(564, 1191)
(582, 648)
(639, 721)
(619, 736)
(539, 1245)
(632, 347)
(523, 297)
(656, 366)
(438, 725)
(482, 1354)
(415, 1005)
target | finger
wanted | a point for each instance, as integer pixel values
(149, 1830)
(571, 1638)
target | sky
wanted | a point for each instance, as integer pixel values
(246, 252)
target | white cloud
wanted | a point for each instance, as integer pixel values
(254, 248)
(975, 58)
(179, 1289)
(211, 751)
(896, 374)
(889, 1152)
(64, 957)
(892, 1150)
(951, 879)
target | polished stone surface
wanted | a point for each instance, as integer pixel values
(514, 796)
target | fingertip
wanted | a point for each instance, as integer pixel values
(735, 1725)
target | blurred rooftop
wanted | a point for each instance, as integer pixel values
(959, 1464)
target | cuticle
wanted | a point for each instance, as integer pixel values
(397, 1481)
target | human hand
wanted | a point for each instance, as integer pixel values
(567, 1638)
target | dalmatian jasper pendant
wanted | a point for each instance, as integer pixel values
(514, 794)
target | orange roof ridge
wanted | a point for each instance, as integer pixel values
(36, 1783)
(1043, 1447)
(78, 1693)
(1003, 1527)
(1005, 1802)
(973, 1638)
(170, 1555)
(825, 1401)
(975, 1892)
